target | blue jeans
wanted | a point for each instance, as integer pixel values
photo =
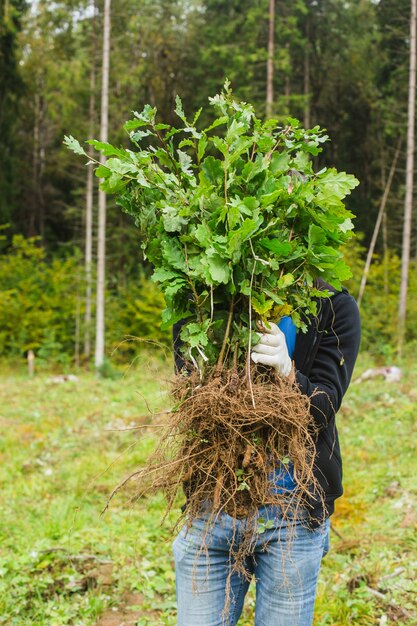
(285, 563)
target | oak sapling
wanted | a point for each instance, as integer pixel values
(238, 228)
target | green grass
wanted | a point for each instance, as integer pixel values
(62, 450)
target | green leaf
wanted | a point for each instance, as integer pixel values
(334, 183)
(292, 121)
(285, 281)
(179, 109)
(74, 145)
(102, 171)
(279, 248)
(197, 115)
(280, 163)
(161, 274)
(220, 145)
(346, 226)
(248, 228)
(173, 222)
(171, 316)
(107, 149)
(252, 169)
(213, 170)
(235, 129)
(195, 333)
(301, 162)
(237, 237)
(174, 254)
(218, 122)
(202, 145)
(140, 134)
(217, 267)
(341, 271)
(185, 162)
(273, 296)
(316, 236)
(260, 304)
(269, 198)
(203, 234)
(265, 143)
(132, 125)
(186, 142)
(173, 287)
(120, 166)
(250, 203)
(140, 178)
(147, 115)
(233, 216)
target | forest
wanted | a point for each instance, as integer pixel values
(86, 350)
(341, 65)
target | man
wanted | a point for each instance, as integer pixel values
(287, 555)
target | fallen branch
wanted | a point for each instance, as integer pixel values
(393, 605)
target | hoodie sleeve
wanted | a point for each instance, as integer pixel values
(332, 368)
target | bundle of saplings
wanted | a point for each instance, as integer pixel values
(238, 228)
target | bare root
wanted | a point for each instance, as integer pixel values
(225, 444)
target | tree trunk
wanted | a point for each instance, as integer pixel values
(402, 307)
(101, 243)
(90, 195)
(270, 61)
(385, 249)
(77, 328)
(287, 82)
(41, 173)
(378, 224)
(35, 165)
(307, 113)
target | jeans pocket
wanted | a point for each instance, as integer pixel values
(181, 545)
(189, 540)
(326, 538)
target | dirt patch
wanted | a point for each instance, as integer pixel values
(123, 615)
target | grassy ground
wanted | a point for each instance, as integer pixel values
(63, 448)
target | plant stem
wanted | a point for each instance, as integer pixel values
(250, 334)
(235, 355)
(193, 289)
(226, 334)
(168, 151)
(225, 187)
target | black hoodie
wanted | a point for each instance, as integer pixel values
(324, 359)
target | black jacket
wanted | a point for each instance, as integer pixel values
(324, 359)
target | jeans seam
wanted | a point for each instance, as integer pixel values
(237, 602)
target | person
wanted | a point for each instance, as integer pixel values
(287, 554)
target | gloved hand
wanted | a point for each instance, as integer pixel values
(272, 350)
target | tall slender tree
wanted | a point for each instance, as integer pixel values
(101, 238)
(270, 61)
(90, 192)
(408, 203)
(381, 214)
(306, 85)
(11, 91)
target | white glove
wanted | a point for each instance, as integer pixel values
(272, 350)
